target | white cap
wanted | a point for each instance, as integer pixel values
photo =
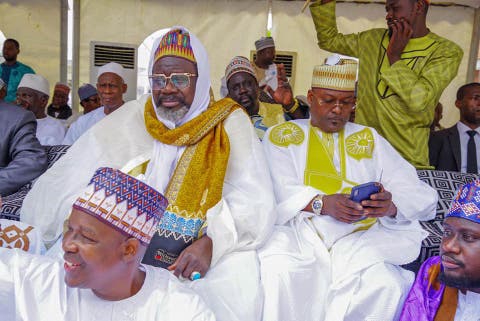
(37, 82)
(112, 67)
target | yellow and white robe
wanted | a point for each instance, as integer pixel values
(317, 268)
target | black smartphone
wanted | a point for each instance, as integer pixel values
(363, 191)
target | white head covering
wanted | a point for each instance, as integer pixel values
(112, 67)
(202, 92)
(35, 82)
(165, 157)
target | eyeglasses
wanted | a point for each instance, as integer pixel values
(332, 103)
(92, 100)
(179, 80)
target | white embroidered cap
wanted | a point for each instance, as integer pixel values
(112, 67)
(36, 82)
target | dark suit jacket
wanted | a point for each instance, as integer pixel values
(444, 149)
(22, 158)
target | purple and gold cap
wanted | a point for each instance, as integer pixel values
(122, 201)
(466, 203)
(175, 43)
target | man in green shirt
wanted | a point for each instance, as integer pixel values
(11, 70)
(403, 71)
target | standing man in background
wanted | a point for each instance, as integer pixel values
(11, 70)
(403, 71)
(457, 148)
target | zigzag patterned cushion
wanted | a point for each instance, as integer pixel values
(12, 203)
(446, 184)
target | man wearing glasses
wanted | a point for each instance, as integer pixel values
(204, 155)
(111, 86)
(338, 258)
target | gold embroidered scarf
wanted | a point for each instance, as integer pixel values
(197, 182)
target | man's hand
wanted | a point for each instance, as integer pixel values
(380, 204)
(283, 95)
(342, 208)
(401, 33)
(196, 257)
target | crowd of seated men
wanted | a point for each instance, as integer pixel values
(259, 205)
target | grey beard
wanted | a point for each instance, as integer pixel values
(174, 116)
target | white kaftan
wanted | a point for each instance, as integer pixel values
(237, 225)
(318, 268)
(82, 124)
(468, 307)
(50, 131)
(37, 285)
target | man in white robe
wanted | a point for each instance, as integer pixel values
(100, 276)
(111, 86)
(331, 258)
(32, 94)
(229, 230)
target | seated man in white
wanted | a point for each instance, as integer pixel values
(331, 258)
(32, 94)
(100, 276)
(110, 86)
(203, 155)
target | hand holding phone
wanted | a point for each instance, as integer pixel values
(364, 191)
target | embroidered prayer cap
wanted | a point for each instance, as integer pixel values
(112, 67)
(62, 87)
(264, 42)
(36, 82)
(123, 202)
(466, 203)
(85, 91)
(202, 90)
(2, 83)
(339, 76)
(175, 43)
(239, 64)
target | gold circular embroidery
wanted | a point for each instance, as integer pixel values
(360, 145)
(286, 134)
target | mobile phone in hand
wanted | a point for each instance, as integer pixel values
(363, 191)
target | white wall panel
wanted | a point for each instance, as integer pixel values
(36, 26)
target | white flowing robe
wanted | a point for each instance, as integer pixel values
(50, 131)
(37, 285)
(237, 225)
(349, 276)
(82, 124)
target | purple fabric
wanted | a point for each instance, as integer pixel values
(422, 303)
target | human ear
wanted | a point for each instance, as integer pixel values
(130, 249)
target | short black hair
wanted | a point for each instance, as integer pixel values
(461, 90)
(15, 42)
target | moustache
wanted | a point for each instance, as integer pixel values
(453, 260)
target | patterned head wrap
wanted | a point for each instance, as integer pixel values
(176, 43)
(340, 76)
(123, 202)
(239, 64)
(466, 203)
